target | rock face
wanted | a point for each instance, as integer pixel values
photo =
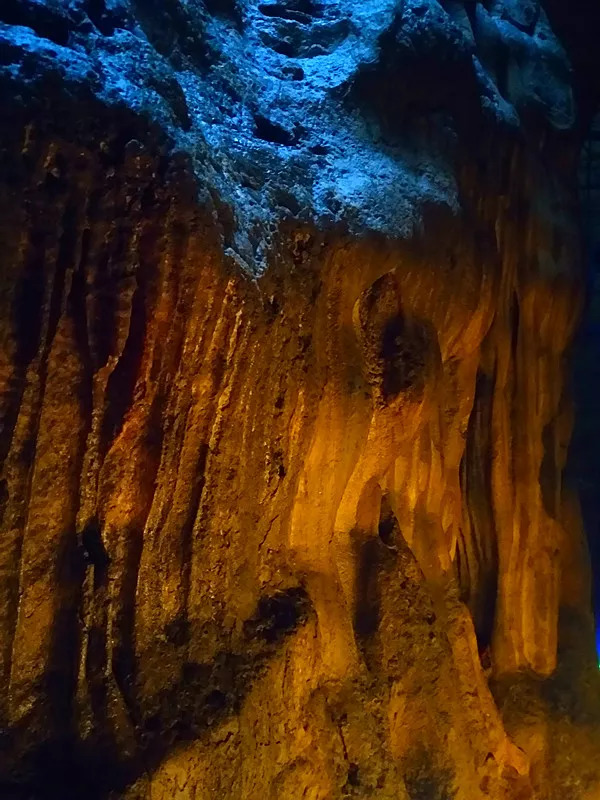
(287, 289)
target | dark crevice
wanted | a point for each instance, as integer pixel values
(170, 89)
(388, 528)
(77, 310)
(548, 476)
(121, 384)
(283, 12)
(61, 678)
(479, 585)
(514, 324)
(225, 8)
(270, 131)
(124, 667)
(460, 562)
(65, 260)
(122, 381)
(353, 779)
(285, 47)
(385, 92)
(278, 614)
(367, 612)
(47, 21)
(175, 30)
(27, 327)
(471, 9)
(103, 318)
(404, 348)
(375, 556)
(397, 349)
(96, 11)
(106, 19)
(60, 675)
(29, 300)
(94, 552)
(8, 423)
(187, 528)
(3, 498)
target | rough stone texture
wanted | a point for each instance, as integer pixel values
(287, 290)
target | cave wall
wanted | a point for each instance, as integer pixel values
(583, 465)
(288, 292)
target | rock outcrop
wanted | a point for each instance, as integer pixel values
(288, 290)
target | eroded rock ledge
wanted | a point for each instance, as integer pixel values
(287, 291)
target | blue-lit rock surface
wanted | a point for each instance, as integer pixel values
(303, 110)
(287, 291)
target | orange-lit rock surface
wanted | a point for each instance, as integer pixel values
(300, 533)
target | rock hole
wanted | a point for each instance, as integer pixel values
(285, 47)
(216, 700)
(270, 131)
(293, 73)
(403, 351)
(278, 615)
(94, 551)
(397, 349)
(353, 775)
(388, 529)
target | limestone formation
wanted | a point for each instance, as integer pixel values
(287, 296)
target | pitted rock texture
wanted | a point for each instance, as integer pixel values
(281, 497)
(291, 110)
